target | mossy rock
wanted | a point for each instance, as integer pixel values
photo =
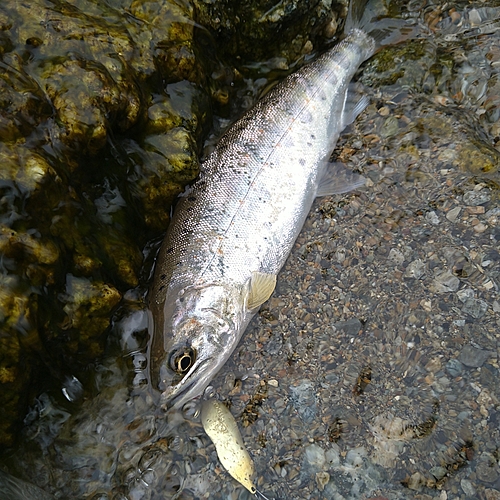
(102, 109)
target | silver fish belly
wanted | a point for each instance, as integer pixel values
(233, 230)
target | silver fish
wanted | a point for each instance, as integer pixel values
(234, 228)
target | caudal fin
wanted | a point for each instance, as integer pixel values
(368, 15)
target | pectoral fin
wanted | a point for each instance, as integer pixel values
(260, 289)
(355, 102)
(338, 180)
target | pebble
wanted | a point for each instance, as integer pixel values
(438, 472)
(315, 456)
(350, 327)
(332, 456)
(415, 481)
(355, 456)
(474, 198)
(396, 256)
(452, 215)
(454, 367)
(473, 357)
(322, 479)
(415, 269)
(487, 472)
(480, 228)
(491, 494)
(304, 401)
(445, 282)
(465, 294)
(433, 218)
(475, 307)
(467, 488)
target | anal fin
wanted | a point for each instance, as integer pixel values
(260, 289)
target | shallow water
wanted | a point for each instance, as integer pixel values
(372, 372)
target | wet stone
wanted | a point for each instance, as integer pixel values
(274, 346)
(432, 218)
(304, 401)
(475, 307)
(445, 282)
(355, 456)
(396, 256)
(468, 488)
(474, 198)
(438, 472)
(473, 357)
(465, 294)
(415, 269)
(454, 367)
(322, 479)
(349, 327)
(453, 214)
(489, 376)
(491, 494)
(487, 472)
(333, 456)
(314, 456)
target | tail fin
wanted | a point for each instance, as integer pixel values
(367, 15)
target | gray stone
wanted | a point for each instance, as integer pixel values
(473, 357)
(475, 307)
(454, 367)
(475, 198)
(304, 400)
(487, 471)
(468, 488)
(415, 269)
(314, 455)
(438, 472)
(445, 282)
(350, 327)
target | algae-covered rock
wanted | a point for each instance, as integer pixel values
(263, 29)
(101, 112)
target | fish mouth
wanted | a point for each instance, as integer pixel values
(189, 387)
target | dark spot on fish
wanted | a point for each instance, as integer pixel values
(162, 287)
(169, 250)
(313, 136)
(302, 161)
(309, 143)
(191, 198)
(163, 276)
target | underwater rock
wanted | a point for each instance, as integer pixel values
(101, 113)
(267, 29)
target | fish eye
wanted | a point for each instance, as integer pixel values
(182, 360)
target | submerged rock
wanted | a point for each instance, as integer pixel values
(78, 80)
(263, 29)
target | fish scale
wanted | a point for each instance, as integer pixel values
(234, 228)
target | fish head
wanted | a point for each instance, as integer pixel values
(192, 338)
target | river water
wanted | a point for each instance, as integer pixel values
(372, 372)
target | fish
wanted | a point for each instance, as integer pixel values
(234, 228)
